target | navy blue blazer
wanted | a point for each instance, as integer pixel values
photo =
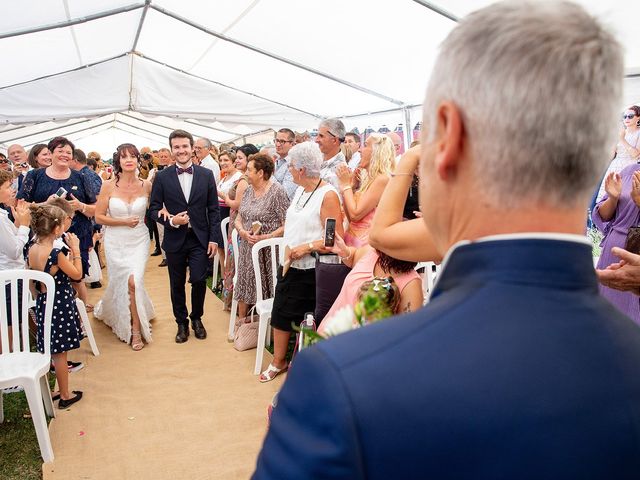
(516, 369)
(202, 207)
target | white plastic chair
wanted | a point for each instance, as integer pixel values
(431, 271)
(82, 310)
(217, 260)
(234, 302)
(21, 366)
(264, 306)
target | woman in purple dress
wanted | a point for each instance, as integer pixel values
(613, 215)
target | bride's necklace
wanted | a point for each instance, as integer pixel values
(300, 208)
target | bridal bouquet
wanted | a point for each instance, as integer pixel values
(378, 299)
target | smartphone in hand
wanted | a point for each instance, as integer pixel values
(61, 192)
(329, 232)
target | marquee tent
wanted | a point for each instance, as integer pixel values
(108, 71)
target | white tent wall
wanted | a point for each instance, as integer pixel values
(228, 69)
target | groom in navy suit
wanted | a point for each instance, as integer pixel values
(517, 368)
(191, 230)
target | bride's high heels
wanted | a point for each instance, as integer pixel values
(136, 341)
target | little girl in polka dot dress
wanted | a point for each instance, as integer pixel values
(48, 223)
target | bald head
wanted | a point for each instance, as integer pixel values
(397, 142)
(17, 154)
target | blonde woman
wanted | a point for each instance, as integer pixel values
(362, 189)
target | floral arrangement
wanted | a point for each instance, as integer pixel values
(377, 300)
(595, 236)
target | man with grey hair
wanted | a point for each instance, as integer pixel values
(330, 135)
(516, 368)
(19, 164)
(202, 149)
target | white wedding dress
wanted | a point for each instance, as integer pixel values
(127, 252)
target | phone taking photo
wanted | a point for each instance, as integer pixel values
(61, 192)
(329, 232)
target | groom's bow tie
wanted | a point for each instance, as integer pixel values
(188, 170)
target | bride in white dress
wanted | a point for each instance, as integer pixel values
(121, 208)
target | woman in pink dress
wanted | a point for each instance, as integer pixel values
(368, 263)
(362, 189)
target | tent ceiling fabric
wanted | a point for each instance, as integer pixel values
(228, 68)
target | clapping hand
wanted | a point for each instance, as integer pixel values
(75, 203)
(21, 213)
(344, 175)
(613, 185)
(73, 242)
(635, 188)
(623, 275)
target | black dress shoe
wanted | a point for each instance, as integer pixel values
(156, 252)
(163, 263)
(183, 333)
(198, 329)
(67, 403)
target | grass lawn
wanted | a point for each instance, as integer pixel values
(20, 458)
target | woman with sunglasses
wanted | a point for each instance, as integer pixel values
(627, 148)
(619, 208)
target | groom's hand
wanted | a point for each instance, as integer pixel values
(180, 219)
(211, 249)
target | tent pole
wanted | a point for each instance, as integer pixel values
(75, 21)
(407, 128)
(437, 9)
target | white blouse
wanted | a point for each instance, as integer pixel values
(303, 224)
(12, 242)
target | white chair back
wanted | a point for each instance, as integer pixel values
(234, 302)
(224, 227)
(270, 243)
(18, 282)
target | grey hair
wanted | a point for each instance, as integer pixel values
(306, 155)
(538, 85)
(335, 126)
(207, 142)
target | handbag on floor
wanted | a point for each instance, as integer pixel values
(633, 240)
(246, 333)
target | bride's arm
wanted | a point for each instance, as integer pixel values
(103, 203)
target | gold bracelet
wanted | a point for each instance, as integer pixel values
(77, 257)
(347, 188)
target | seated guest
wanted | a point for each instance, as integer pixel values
(361, 192)
(516, 368)
(295, 294)
(264, 203)
(368, 263)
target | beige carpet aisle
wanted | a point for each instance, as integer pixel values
(189, 411)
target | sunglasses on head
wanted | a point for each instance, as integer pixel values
(628, 116)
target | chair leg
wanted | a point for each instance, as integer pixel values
(1, 407)
(262, 334)
(268, 335)
(87, 326)
(46, 395)
(34, 397)
(216, 262)
(232, 318)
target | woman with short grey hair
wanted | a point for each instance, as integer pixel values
(314, 201)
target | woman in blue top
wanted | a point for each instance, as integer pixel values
(43, 183)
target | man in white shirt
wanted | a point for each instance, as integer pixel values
(19, 164)
(331, 134)
(352, 142)
(202, 149)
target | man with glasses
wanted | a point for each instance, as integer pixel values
(331, 134)
(285, 139)
(202, 149)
